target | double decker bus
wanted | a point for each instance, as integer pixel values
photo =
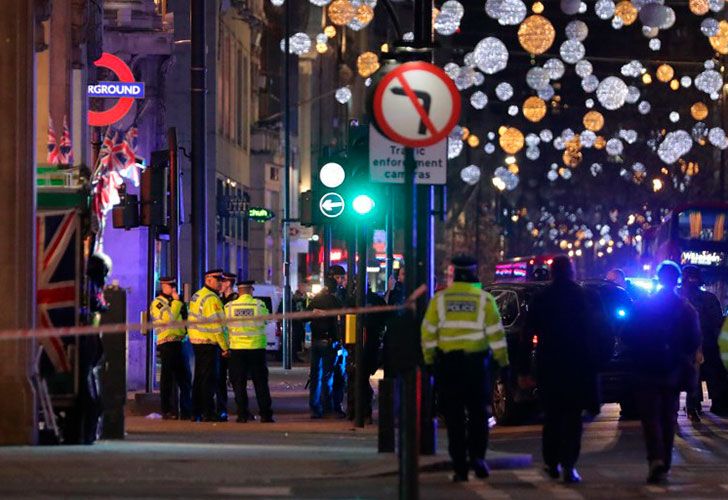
(694, 233)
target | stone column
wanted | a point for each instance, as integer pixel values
(60, 64)
(17, 224)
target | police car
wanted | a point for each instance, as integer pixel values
(271, 296)
(512, 403)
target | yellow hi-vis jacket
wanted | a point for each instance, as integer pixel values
(165, 310)
(463, 318)
(251, 334)
(723, 343)
(206, 305)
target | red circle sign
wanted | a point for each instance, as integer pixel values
(123, 105)
(416, 104)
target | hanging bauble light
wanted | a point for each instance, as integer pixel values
(536, 34)
(341, 12)
(699, 111)
(594, 121)
(534, 109)
(511, 140)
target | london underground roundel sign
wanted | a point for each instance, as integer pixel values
(126, 86)
(416, 104)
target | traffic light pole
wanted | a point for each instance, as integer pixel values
(287, 340)
(360, 375)
(173, 204)
(151, 237)
(199, 129)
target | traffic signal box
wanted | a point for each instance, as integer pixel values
(342, 194)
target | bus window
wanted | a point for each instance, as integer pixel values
(703, 225)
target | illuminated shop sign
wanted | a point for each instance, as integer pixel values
(116, 89)
(704, 258)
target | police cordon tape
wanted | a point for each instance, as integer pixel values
(27, 333)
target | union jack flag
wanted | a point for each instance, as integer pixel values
(53, 152)
(65, 156)
(57, 296)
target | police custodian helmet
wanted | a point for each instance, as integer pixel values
(465, 268)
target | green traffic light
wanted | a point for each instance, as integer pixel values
(363, 204)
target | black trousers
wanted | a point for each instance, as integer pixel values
(658, 406)
(222, 385)
(561, 435)
(462, 383)
(205, 381)
(175, 380)
(250, 363)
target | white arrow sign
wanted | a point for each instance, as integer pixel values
(331, 205)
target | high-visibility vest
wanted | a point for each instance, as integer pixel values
(206, 305)
(165, 310)
(250, 334)
(723, 343)
(463, 318)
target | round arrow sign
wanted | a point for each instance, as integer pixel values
(331, 205)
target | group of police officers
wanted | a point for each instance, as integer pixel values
(236, 352)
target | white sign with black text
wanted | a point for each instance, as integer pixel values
(386, 161)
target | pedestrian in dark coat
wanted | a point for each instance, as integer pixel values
(567, 358)
(664, 337)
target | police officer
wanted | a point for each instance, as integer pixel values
(247, 353)
(209, 343)
(460, 329)
(227, 294)
(166, 308)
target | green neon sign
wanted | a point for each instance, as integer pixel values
(260, 214)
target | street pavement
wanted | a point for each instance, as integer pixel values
(300, 458)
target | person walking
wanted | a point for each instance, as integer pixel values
(567, 358)
(708, 361)
(247, 353)
(665, 338)
(174, 383)
(209, 343)
(460, 329)
(324, 345)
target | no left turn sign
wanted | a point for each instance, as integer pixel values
(416, 104)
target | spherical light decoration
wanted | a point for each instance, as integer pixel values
(451, 69)
(536, 34)
(473, 141)
(633, 69)
(675, 145)
(537, 78)
(650, 32)
(533, 153)
(330, 31)
(491, 55)
(710, 27)
(655, 44)
(478, 100)
(577, 30)
(362, 17)
(552, 175)
(719, 42)
(454, 147)
(341, 12)
(511, 140)
(504, 91)
(617, 23)
(570, 7)
(583, 68)
(590, 83)
(600, 142)
(367, 64)
(298, 44)
(604, 9)
(626, 11)
(595, 169)
(322, 38)
(555, 68)
(709, 81)
(565, 173)
(699, 7)
(447, 21)
(587, 138)
(633, 94)
(653, 15)
(716, 5)
(534, 109)
(614, 147)
(594, 121)
(630, 136)
(546, 135)
(343, 95)
(664, 73)
(699, 131)
(321, 48)
(612, 92)
(674, 116)
(644, 107)
(512, 110)
(512, 12)
(470, 175)
(532, 140)
(546, 93)
(489, 148)
(572, 51)
(717, 136)
(699, 111)
(589, 103)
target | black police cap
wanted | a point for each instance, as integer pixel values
(168, 280)
(229, 277)
(464, 262)
(213, 272)
(247, 283)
